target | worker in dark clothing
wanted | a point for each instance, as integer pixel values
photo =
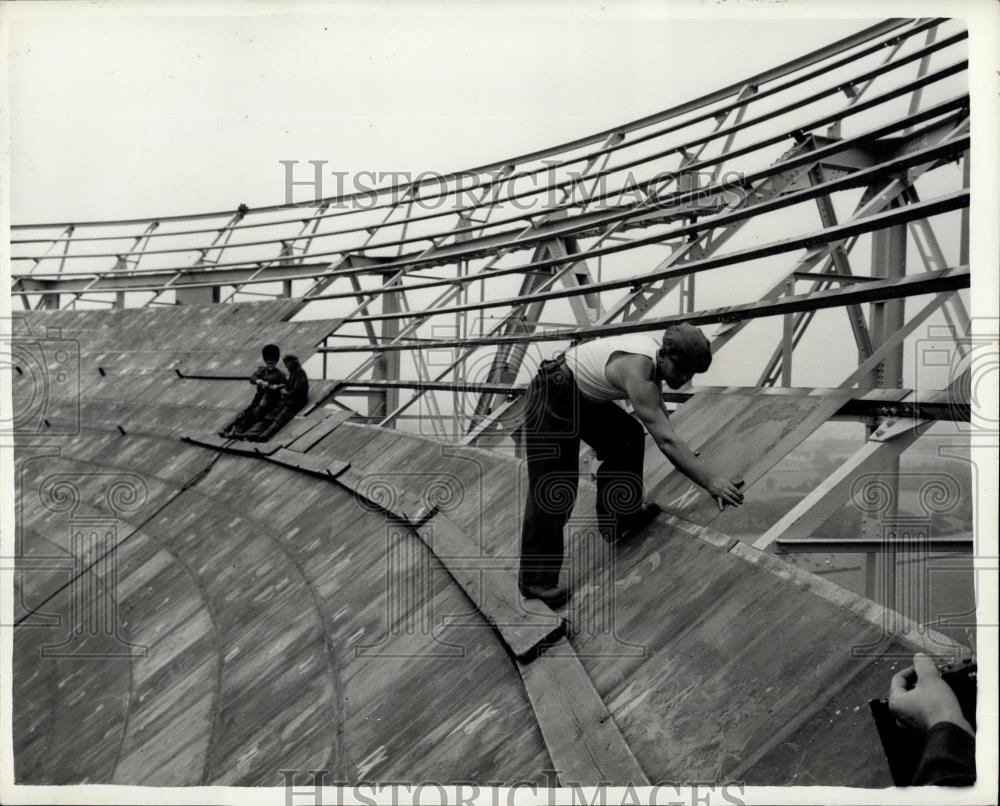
(268, 381)
(572, 398)
(920, 698)
(294, 397)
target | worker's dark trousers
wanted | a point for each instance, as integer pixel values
(267, 427)
(246, 419)
(557, 417)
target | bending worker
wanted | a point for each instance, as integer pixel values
(571, 399)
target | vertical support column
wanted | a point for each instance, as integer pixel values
(386, 366)
(963, 243)
(687, 294)
(285, 258)
(120, 265)
(461, 376)
(206, 295)
(888, 262)
(787, 338)
(48, 301)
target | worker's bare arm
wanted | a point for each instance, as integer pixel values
(632, 373)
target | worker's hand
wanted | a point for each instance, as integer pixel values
(920, 698)
(725, 491)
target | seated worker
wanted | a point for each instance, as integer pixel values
(294, 397)
(269, 381)
(572, 398)
(920, 698)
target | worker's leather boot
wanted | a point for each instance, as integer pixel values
(555, 596)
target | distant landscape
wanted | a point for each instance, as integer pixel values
(936, 590)
(816, 459)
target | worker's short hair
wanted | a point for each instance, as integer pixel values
(270, 352)
(687, 347)
(289, 358)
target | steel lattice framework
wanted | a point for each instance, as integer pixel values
(606, 234)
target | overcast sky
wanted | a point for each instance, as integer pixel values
(116, 117)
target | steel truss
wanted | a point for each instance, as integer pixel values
(514, 240)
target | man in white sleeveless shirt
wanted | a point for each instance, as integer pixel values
(571, 399)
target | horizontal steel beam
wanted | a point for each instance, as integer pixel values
(914, 285)
(937, 152)
(820, 545)
(931, 405)
(200, 277)
(831, 275)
